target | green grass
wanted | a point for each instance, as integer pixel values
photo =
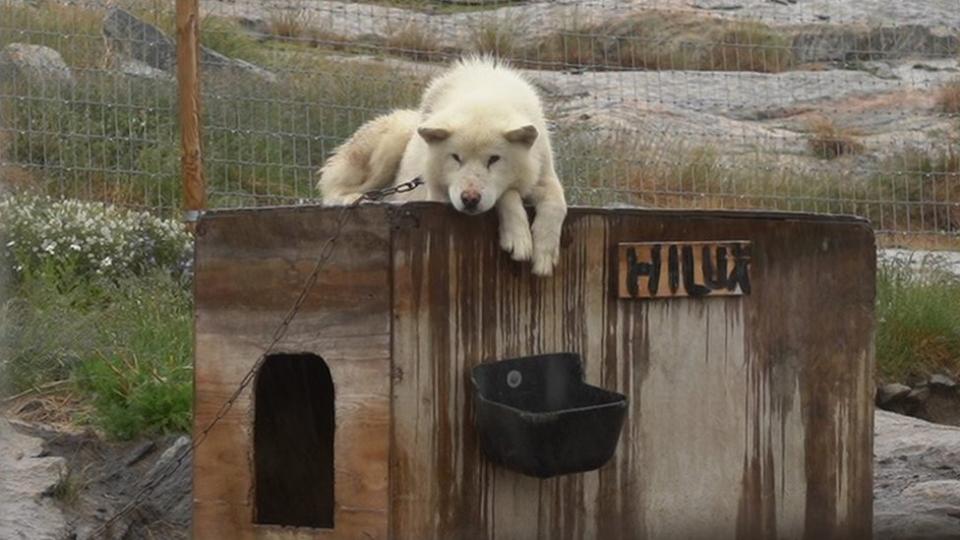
(68, 487)
(73, 31)
(117, 140)
(141, 381)
(919, 189)
(127, 344)
(918, 324)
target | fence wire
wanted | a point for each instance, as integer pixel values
(849, 106)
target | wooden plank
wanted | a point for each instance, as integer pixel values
(679, 269)
(250, 267)
(758, 406)
(717, 401)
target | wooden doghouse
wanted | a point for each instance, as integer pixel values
(750, 414)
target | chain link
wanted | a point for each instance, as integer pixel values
(326, 251)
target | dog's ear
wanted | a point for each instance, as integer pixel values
(525, 135)
(433, 135)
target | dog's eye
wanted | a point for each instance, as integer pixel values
(492, 160)
(456, 158)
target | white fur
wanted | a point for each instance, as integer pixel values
(467, 114)
(369, 159)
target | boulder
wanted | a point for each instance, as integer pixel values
(891, 393)
(25, 510)
(144, 42)
(916, 490)
(24, 61)
(943, 382)
(136, 68)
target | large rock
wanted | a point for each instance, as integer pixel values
(160, 487)
(916, 485)
(23, 61)
(136, 68)
(148, 44)
(844, 43)
(25, 477)
(892, 392)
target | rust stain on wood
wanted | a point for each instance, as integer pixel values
(677, 269)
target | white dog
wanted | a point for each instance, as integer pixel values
(481, 141)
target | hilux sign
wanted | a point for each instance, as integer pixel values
(680, 269)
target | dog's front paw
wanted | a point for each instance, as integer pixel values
(518, 242)
(545, 258)
(546, 243)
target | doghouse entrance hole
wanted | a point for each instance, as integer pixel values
(293, 442)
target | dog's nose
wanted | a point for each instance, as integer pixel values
(470, 199)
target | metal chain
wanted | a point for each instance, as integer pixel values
(326, 250)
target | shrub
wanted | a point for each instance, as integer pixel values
(85, 239)
(828, 141)
(290, 22)
(948, 97)
(414, 42)
(751, 47)
(141, 380)
(666, 40)
(496, 35)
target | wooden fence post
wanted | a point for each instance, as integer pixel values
(188, 84)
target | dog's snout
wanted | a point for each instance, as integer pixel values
(470, 199)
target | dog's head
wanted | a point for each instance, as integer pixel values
(476, 162)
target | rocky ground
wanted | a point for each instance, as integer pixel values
(916, 483)
(67, 485)
(871, 66)
(916, 479)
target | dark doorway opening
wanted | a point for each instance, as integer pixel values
(293, 442)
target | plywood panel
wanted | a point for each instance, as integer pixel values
(718, 442)
(749, 417)
(250, 268)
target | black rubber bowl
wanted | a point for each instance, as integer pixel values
(535, 415)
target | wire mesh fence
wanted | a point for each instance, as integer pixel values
(825, 106)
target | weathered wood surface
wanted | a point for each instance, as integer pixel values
(250, 269)
(750, 416)
(675, 269)
(188, 86)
